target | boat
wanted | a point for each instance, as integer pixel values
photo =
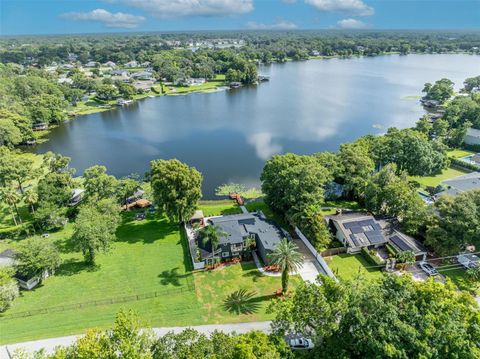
(235, 85)
(263, 78)
(123, 102)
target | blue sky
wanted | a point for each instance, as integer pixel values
(82, 16)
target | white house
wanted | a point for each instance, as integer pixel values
(131, 64)
(472, 137)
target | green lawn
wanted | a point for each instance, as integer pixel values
(149, 256)
(459, 277)
(433, 181)
(218, 208)
(459, 153)
(347, 266)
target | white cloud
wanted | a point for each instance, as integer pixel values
(279, 24)
(182, 8)
(264, 147)
(354, 7)
(118, 19)
(351, 24)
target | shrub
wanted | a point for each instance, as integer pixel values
(8, 288)
(370, 256)
(462, 164)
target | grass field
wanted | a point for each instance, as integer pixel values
(459, 153)
(434, 181)
(459, 278)
(347, 266)
(148, 257)
(217, 208)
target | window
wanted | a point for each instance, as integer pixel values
(236, 247)
(225, 254)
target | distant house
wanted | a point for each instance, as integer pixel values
(72, 57)
(120, 73)
(142, 75)
(67, 66)
(91, 64)
(42, 126)
(356, 230)
(109, 64)
(472, 137)
(145, 64)
(76, 197)
(239, 229)
(65, 80)
(143, 85)
(460, 184)
(131, 64)
(191, 81)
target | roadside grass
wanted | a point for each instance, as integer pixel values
(434, 181)
(459, 277)
(457, 153)
(348, 266)
(218, 208)
(213, 287)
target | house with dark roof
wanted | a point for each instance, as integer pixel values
(472, 137)
(460, 184)
(239, 229)
(356, 230)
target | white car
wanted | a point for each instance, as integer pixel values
(428, 268)
(301, 343)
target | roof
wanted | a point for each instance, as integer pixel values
(406, 243)
(463, 183)
(359, 229)
(197, 215)
(241, 225)
(473, 132)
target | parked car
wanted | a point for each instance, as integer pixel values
(300, 343)
(428, 268)
(468, 260)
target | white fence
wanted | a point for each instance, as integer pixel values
(321, 262)
(191, 247)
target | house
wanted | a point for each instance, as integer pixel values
(472, 137)
(67, 66)
(65, 80)
(41, 126)
(131, 64)
(145, 64)
(109, 64)
(191, 81)
(143, 85)
(76, 197)
(356, 231)
(239, 229)
(6, 258)
(468, 260)
(91, 64)
(143, 75)
(120, 73)
(460, 184)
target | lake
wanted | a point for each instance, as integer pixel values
(306, 107)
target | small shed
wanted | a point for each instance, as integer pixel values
(198, 217)
(7, 258)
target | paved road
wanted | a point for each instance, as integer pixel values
(50, 344)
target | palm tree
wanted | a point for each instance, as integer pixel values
(286, 256)
(11, 197)
(212, 234)
(31, 198)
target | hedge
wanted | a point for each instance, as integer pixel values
(462, 164)
(371, 258)
(15, 231)
(474, 148)
(391, 250)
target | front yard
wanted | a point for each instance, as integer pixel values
(348, 266)
(149, 259)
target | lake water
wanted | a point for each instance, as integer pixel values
(306, 107)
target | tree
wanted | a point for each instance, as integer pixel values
(11, 198)
(390, 317)
(95, 228)
(212, 234)
(125, 340)
(357, 166)
(56, 163)
(55, 188)
(46, 108)
(49, 216)
(107, 92)
(471, 84)
(8, 288)
(35, 256)
(22, 124)
(455, 223)
(313, 225)
(405, 257)
(473, 275)
(127, 91)
(286, 256)
(10, 135)
(31, 198)
(440, 91)
(176, 188)
(15, 168)
(125, 188)
(98, 184)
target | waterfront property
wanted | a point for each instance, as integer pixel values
(472, 137)
(454, 186)
(237, 230)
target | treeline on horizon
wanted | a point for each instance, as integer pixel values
(264, 46)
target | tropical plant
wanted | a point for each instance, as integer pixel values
(240, 302)
(286, 256)
(212, 234)
(31, 198)
(11, 198)
(405, 258)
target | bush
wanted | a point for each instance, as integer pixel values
(8, 288)
(15, 231)
(392, 252)
(462, 164)
(371, 257)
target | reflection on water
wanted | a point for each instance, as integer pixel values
(306, 107)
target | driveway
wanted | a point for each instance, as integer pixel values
(310, 268)
(50, 344)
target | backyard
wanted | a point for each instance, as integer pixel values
(434, 181)
(348, 266)
(147, 270)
